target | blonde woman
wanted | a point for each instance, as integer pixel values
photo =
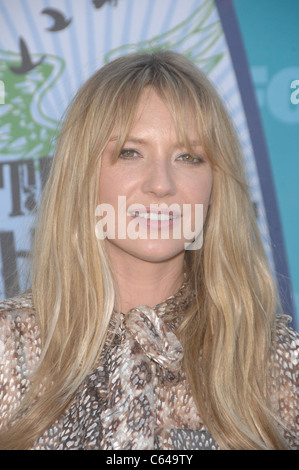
(148, 341)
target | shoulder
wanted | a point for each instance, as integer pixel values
(18, 303)
(19, 307)
(285, 379)
(17, 313)
(19, 333)
(286, 351)
(19, 351)
(286, 342)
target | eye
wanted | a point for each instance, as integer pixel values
(128, 153)
(188, 158)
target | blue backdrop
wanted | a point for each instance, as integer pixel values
(270, 32)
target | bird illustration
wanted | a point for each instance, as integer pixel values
(60, 21)
(27, 64)
(100, 3)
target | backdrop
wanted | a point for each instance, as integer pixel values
(48, 48)
(271, 37)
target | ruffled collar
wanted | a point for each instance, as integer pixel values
(144, 339)
(170, 311)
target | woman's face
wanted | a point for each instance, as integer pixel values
(154, 197)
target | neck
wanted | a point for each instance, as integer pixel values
(141, 282)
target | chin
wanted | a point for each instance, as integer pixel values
(151, 250)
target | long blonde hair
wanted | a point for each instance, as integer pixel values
(226, 334)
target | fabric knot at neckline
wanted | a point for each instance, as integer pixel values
(158, 342)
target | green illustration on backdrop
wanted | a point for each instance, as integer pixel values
(26, 130)
(195, 37)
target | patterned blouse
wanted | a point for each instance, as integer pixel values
(138, 397)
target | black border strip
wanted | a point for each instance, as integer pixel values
(234, 40)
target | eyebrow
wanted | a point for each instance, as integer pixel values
(134, 140)
(137, 140)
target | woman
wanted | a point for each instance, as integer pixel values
(134, 337)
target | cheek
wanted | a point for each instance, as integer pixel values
(199, 193)
(200, 190)
(109, 185)
(106, 192)
(116, 181)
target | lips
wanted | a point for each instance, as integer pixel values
(155, 212)
(155, 216)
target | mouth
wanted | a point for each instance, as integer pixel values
(157, 216)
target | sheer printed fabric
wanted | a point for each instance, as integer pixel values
(138, 396)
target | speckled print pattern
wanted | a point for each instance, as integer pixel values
(285, 387)
(138, 396)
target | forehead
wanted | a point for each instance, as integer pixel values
(161, 114)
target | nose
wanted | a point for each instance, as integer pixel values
(159, 179)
